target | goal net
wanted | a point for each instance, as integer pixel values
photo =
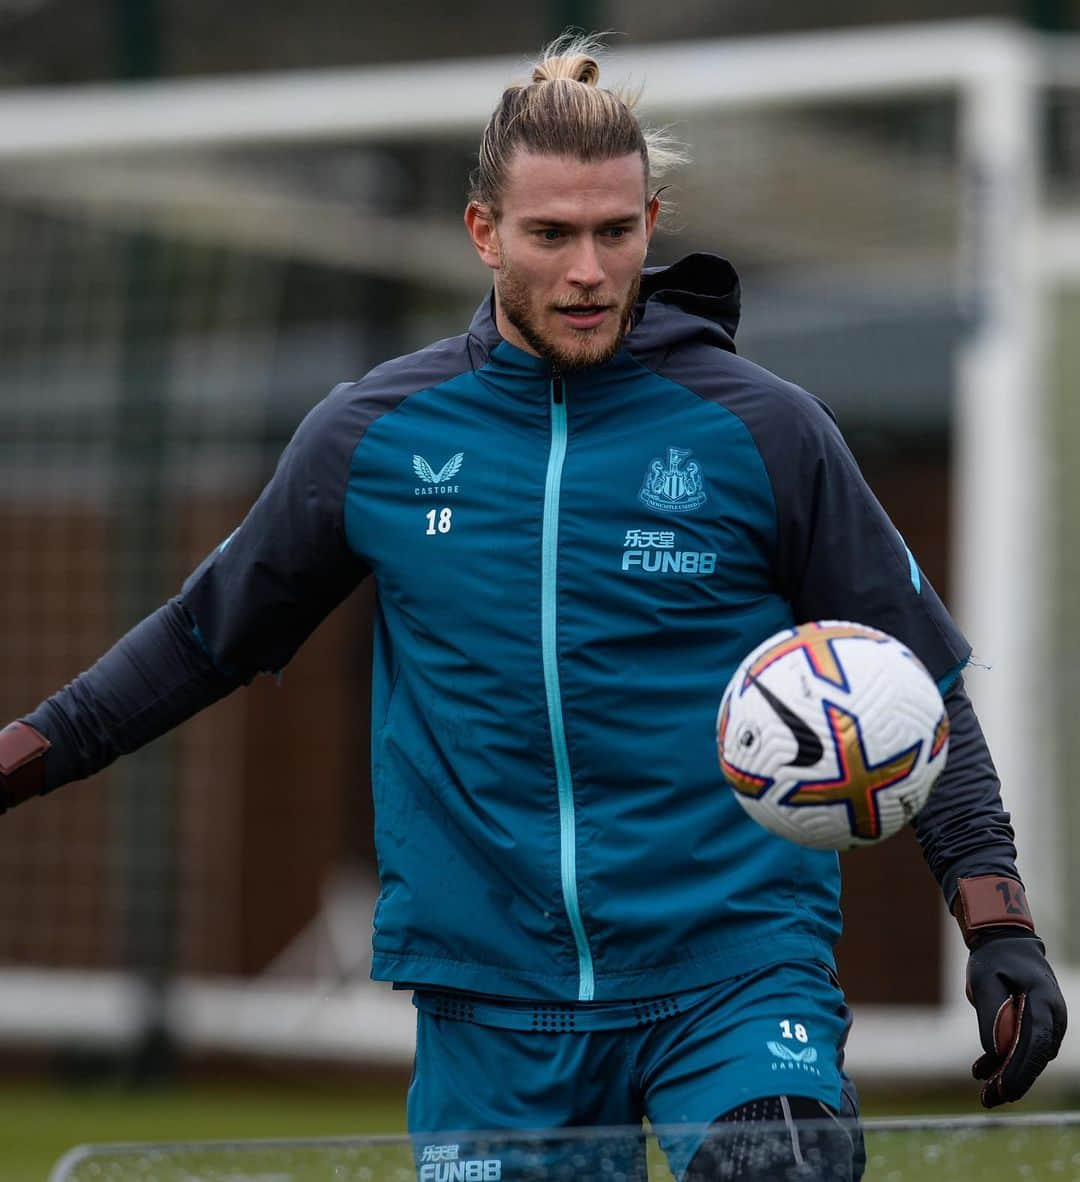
(185, 268)
(1003, 1150)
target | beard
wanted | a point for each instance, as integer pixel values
(591, 346)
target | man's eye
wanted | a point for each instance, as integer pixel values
(550, 235)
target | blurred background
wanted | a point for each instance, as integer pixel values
(210, 215)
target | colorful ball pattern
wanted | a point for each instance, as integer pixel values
(832, 734)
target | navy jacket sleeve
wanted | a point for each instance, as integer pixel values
(246, 609)
(963, 828)
(151, 680)
(262, 592)
(840, 557)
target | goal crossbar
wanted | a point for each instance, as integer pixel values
(395, 101)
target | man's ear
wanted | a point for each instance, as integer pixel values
(652, 212)
(480, 223)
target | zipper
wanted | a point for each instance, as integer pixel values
(549, 645)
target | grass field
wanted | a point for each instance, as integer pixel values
(39, 1122)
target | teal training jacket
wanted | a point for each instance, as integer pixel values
(569, 568)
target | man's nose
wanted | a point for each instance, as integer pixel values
(586, 269)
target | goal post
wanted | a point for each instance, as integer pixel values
(244, 182)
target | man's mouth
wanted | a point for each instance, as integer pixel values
(585, 315)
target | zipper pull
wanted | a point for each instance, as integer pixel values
(556, 387)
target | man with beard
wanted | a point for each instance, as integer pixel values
(593, 930)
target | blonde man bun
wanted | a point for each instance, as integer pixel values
(573, 56)
(578, 68)
(564, 111)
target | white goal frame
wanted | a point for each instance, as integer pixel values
(995, 71)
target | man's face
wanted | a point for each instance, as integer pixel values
(566, 252)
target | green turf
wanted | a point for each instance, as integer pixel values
(39, 1122)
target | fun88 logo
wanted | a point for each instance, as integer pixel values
(441, 1163)
(653, 551)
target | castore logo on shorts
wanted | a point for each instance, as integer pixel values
(789, 1060)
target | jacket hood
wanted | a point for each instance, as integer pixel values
(696, 298)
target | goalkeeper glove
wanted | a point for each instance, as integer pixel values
(22, 764)
(1021, 1011)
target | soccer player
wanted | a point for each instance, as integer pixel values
(593, 929)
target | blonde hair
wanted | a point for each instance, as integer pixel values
(565, 112)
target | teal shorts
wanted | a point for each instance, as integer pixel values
(776, 1032)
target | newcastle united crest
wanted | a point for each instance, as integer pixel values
(674, 487)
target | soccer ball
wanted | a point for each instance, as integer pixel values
(832, 734)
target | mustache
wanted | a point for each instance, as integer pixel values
(589, 303)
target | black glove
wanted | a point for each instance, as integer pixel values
(1021, 1011)
(22, 766)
